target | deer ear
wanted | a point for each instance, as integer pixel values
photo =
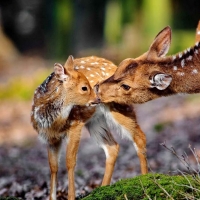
(161, 43)
(160, 81)
(69, 65)
(60, 71)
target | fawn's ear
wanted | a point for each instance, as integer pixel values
(60, 72)
(69, 65)
(161, 44)
(160, 80)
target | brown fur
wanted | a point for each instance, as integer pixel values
(64, 90)
(153, 74)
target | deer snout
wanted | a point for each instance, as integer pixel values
(96, 100)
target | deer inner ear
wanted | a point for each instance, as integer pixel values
(160, 81)
(60, 72)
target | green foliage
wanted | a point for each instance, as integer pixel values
(22, 88)
(158, 127)
(150, 186)
(156, 15)
(113, 28)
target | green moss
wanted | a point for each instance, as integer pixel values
(150, 186)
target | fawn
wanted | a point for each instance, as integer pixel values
(62, 105)
(153, 74)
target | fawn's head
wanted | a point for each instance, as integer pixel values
(139, 80)
(65, 84)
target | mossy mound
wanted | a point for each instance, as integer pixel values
(150, 186)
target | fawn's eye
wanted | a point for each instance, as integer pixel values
(84, 88)
(125, 87)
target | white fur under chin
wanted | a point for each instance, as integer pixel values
(113, 125)
(102, 124)
(66, 111)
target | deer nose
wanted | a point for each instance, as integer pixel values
(95, 101)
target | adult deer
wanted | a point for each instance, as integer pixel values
(61, 107)
(153, 74)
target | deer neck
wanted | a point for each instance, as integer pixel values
(50, 104)
(184, 68)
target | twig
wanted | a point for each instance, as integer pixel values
(182, 159)
(196, 157)
(145, 190)
(125, 197)
(162, 188)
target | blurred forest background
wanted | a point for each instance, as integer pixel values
(34, 34)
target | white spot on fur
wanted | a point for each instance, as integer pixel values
(182, 63)
(92, 75)
(36, 109)
(185, 51)
(103, 73)
(188, 49)
(180, 55)
(196, 51)
(182, 73)
(76, 67)
(198, 32)
(194, 71)
(175, 68)
(174, 57)
(82, 62)
(107, 74)
(88, 68)
(82, 67)
(103, 68)
(189, 58)
(38, 96)
(94, 63)
(196, 44)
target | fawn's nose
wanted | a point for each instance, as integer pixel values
(96, 100)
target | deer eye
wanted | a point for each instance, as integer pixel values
(125, 87)
(84, 88)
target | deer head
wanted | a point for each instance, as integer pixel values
(75, 86)
(152, 74)
(56, 96)
(67, 85)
